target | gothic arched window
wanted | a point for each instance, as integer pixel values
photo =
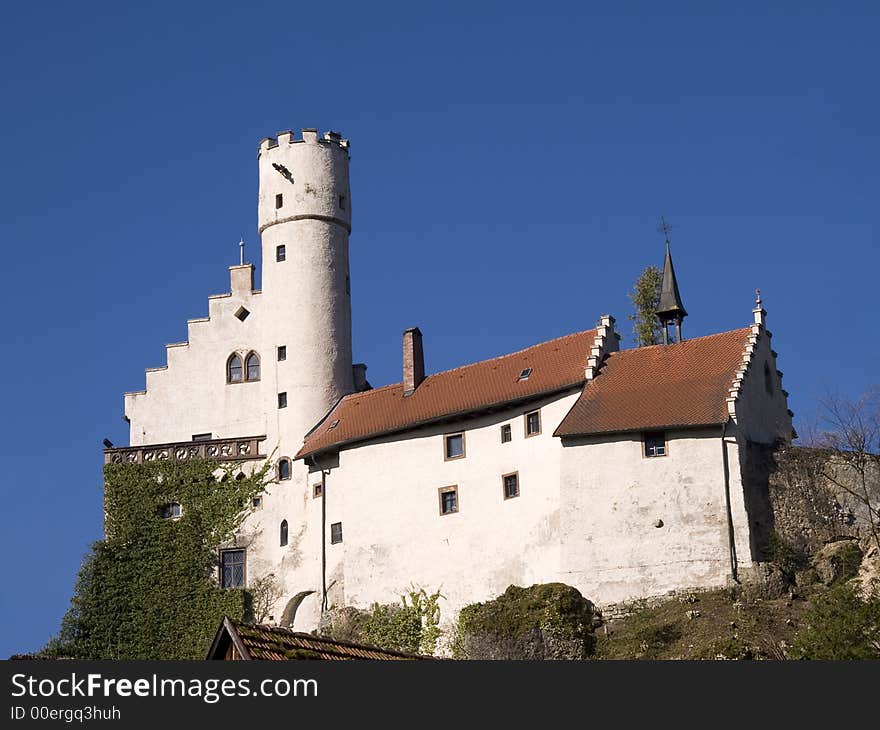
(283, 469)
(234, 370)
(252, 366)
(283, 533)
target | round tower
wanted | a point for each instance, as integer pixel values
(304, 215)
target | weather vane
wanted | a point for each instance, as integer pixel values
(664, 228)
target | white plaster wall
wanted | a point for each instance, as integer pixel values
(386, 496)
(612, 495)
(761, 415)
(304, 304)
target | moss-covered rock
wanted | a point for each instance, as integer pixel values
(545, 621)
(838, 561)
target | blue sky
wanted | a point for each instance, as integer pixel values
(510, 163)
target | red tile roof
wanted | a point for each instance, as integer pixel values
(274, 643)
(556, 365)
(660, 386)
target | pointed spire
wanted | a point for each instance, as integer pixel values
(670, 308)
(670, 305)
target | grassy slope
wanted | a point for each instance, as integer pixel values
(727, 627)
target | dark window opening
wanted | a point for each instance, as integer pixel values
(506, 433)
(253, 366)
(170, 511)
(282, 400)
(524, 375)
(511, 485)
(768, 379)
(655, 444)
(234, 370)
(335, 533)
(342, 202)
(202, 436)
(283, 536)
(448, 500)
(317, 490)
(284, 469)
(257, 502)
(454, 446)
(281, 253)
(282, 352)
(232, 569)
(242, 314)
(533, 423)
(279, 201)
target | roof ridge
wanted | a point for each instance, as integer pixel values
(740, 330)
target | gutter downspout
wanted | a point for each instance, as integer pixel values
(730, 539)
(324, 539)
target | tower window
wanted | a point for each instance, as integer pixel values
(282, 352)
(279, 201)
(283, 533)
(281, 253)
(453, 446)
(510, 483)
(655, 444)
(342, 202)
(533, 423)
(506, 435)
(234, 369)
(335, 533)
(242, 314)
(283, 469)
(282, 400)
(170, 511)
(348, 285)
(253, 366)
(232, 569)
(448, 500)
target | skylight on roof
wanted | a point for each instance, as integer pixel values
(524, 375)
(333, 425)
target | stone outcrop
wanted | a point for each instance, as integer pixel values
(545, 621)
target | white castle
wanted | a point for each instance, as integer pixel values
(626, 474)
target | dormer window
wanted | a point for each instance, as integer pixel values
(524, 375)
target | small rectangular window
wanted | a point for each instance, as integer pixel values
(511, 485)
(317, 490)
(448, 500)
(202, 436)
(655, 444)
(282, 400)
(453, 446)
(335, 533)
(279, 201)
(533, 423)
(342, 202)
(232, 569)
(281, 253)
(282, 352)
(506, 433)
(257, 502)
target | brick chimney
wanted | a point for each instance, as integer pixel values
(413, 360)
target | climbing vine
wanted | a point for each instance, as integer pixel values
(149, 590)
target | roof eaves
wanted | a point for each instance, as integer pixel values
(302, 454)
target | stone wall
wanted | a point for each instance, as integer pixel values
(809, 510)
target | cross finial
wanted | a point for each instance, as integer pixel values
(241, 251)
(664, 228)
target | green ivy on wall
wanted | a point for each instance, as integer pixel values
(149, 590)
